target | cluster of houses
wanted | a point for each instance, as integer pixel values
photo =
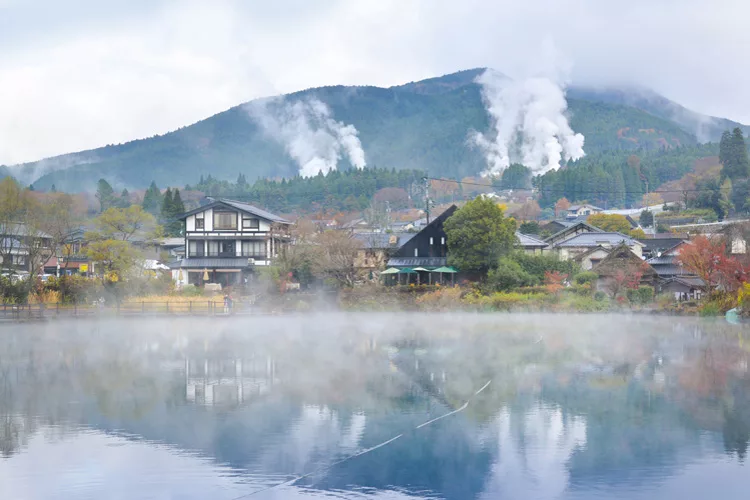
(226, 242)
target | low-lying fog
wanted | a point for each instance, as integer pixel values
(382, 405)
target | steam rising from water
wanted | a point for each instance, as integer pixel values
(527, 123)
(309, 133)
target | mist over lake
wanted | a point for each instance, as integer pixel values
(448, 406)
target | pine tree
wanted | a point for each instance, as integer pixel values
(724, 150)
(739, 149)
(166, 207)
(105, 194)
(124, 200)
(152, 200)
(53, 189)
(178, 208)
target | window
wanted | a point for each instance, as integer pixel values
(250, 223)
(195, 249)
(224, 221)
(431, 241)
(199, 221)
(253, 248)
(442, 240)
(19, 260)
(226, 249)
(416, 252)
(213, 248)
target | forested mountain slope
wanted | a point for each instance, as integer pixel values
(420, 125)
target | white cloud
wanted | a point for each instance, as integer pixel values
(84, 73)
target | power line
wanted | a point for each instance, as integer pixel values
(681, 191)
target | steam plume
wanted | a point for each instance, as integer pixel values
(527, 123)
(308, 132)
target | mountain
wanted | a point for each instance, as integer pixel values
(419, 125)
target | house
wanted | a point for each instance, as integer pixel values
(583, 242)
(622, 263)
(592, 257)
(23, 249)
(683, 287)
(665, 262)
(582, 211)
(530, 244)
(570, 231)
(376, 249)
(427, 249)
(226, 240)
(660, 243)
(358, 226)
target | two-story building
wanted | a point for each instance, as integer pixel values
(226, 240)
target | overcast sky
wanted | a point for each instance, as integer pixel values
(84, 73)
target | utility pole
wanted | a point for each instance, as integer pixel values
(427, 198)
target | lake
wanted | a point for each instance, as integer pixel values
(386, 406)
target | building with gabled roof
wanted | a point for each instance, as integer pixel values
(225, 240)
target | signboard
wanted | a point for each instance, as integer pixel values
(84, 268)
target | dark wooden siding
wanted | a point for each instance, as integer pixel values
(421, 242)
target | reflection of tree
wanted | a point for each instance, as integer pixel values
(736, 433)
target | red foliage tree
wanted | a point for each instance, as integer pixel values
(706, 258)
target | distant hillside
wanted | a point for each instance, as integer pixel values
(420, 125)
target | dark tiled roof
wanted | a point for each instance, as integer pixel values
(570, 227)
(692, 281)
(383, 240)
(667, 269)
(664, 259)
(526, 240)
(659, 244)
(245, 207)
(210, 263)
(417, 261)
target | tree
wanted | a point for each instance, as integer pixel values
(22, 241)
(125, 224)
(124, 200)
(105, 194)
(554, 281)
(115, 257)
(166, 210)
(394, 197)
(706, 258)
(478, 235)
(53, 189)
(733, 155)
(178, 208)
(646, 218)
(152, 200)
(530, 210)
(516, 177)
(561, 206)
(58, 219)
(507, 275)
(610, 222)
(651, 200)
(529, 227)
(337, 253)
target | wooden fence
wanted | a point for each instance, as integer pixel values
(26, 312)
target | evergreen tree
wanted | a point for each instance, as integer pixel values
(152, 200)
(166, 207)
(733, 155)
(105, 194)
(31, 187)
(178, 208)
(53, 189)
(124, 200)
(725, 145)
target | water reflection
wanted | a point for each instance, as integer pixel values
(578, 407)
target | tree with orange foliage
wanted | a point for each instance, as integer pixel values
(554, 281)
(706, 258)
(562, 205)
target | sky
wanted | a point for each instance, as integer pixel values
(80, 74)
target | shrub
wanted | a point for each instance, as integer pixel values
(14, 291)
(440, 299)
(585, 277)
(508, 275)
(191, 291)
(538, 265)
(600, 296)
(641, 295)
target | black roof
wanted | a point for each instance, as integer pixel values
(241, 206)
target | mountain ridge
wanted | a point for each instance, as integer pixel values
(416, 125)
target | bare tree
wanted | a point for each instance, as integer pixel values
(337, 253)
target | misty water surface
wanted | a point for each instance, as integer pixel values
(576, 407)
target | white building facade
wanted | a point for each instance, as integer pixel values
(226, 240)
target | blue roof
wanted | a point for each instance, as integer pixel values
(526, 240)
(597, 239)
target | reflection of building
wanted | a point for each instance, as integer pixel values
(228, 382)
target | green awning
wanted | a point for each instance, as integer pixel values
(392, 270)
(407, 270)
(444, 269)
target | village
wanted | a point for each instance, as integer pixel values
(227, 256)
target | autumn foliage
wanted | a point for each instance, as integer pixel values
(706, 258)
(554, 281)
